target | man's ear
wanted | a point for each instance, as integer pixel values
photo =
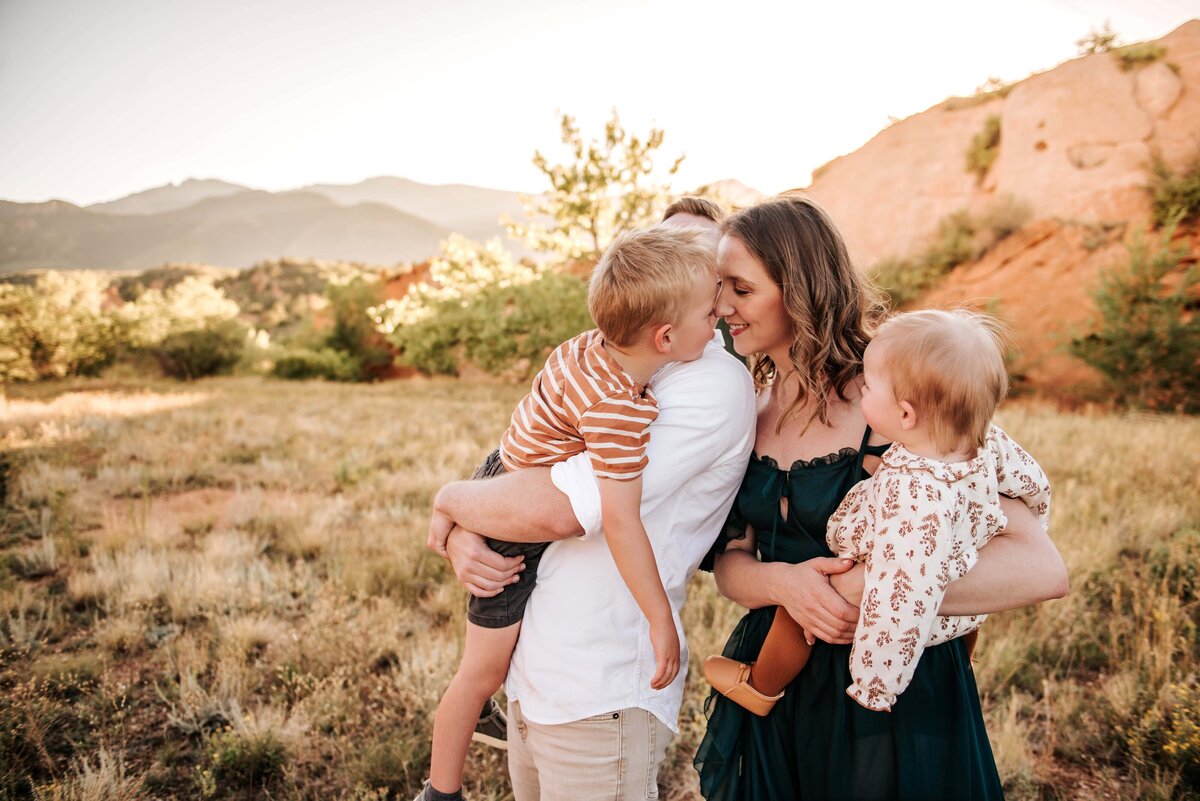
(662, 338)
(908, 418)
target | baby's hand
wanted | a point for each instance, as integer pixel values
(665, 640)
(439, 531)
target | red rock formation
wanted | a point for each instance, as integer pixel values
(1075, 145)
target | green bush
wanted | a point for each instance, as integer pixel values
(954, 243)
(241, 760)
(201, 352)
(959, 238)
(56, 327)
(1175, 196)
(1146, 336)
(354, 332)
(1140, 54)
(984, 147)
(304, 363)
(502, 329)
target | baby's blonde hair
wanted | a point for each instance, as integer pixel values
(646, 278)
(950, 366)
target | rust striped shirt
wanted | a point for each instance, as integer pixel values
(582, 400)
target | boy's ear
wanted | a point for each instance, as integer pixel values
(908, 418)
(662, 338)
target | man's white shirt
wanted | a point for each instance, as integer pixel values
(585, 646)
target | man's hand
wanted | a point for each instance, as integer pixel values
(439, 530)
(478, 568)
(850, 584)
(665, 640)
(806, 594)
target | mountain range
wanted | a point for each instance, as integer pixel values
(381, 220)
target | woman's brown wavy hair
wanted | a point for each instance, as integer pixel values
(833, 307)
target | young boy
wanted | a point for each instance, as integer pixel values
(931, 383)
(651, 297)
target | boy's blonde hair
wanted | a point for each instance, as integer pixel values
(950, 366)
(646, 278)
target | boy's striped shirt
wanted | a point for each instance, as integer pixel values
(582, 400)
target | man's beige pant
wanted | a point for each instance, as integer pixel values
(614, 756)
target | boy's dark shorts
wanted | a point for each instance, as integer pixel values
(507, 608)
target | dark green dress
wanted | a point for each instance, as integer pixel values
(817, 743)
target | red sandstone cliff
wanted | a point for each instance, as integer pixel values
(1076, 143)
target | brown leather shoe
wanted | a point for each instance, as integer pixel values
(732, 679)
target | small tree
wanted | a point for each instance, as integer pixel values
(1097, 41)
(1146, 337)
(57, 327)
(607, 187)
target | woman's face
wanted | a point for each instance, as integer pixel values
(751, 302)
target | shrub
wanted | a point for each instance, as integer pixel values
(304, 363)
(502, 329)
(193, 354)
(991, 89)
(954, 243)
(354, 332)
(1098, 41)
(56, 327)
(1005, 217)
(984, 147)
(1146, 336)
(1174, 196)
(240, 759)
(1138, 55)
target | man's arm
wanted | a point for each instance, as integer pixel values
(523, 506)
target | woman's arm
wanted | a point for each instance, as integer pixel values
(1019, 567)
(802, 589)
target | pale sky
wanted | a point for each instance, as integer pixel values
(99, 99)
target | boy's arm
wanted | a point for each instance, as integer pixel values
(620, 504)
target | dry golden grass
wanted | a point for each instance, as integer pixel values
(221, 590)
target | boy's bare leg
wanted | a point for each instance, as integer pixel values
(481, 672)
(784, 654)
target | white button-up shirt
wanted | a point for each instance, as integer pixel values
(585, 646)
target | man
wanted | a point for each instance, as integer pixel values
(583, 722)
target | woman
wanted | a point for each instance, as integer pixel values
(792, 298)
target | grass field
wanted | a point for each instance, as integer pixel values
(221, 590)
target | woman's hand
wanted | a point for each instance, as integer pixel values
(804, 590)
(480, 569)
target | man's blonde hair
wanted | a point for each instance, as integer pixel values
(646, 278)
(950, 366)
(697, 207)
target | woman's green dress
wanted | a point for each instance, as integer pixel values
(817, 743)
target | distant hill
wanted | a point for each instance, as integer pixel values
(232, 231)
(168, 197)
(472, 211)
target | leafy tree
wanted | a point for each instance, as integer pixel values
(354, 333)
(191, 304)
(1098, 41)
(56, 327)
(608, 186)
(463, 269)
(503, 329)
(1146, 337)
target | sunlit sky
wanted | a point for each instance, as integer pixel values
(101, 99)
